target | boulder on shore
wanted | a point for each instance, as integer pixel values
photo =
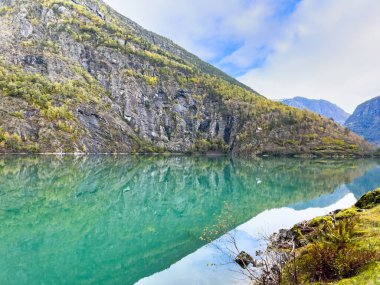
(244, 259)
(369, 200)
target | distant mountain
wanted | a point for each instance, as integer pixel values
(366, 120)
(322, 107)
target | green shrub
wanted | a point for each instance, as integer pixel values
(53, 113)
(329, 262)
(18, 114)
(66, 127)
(33, 148)
(12, 141)
(334, 255)
(151, 80)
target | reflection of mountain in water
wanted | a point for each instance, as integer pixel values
(118, 219)
(359, 186)
(369, 181)
(324, 200)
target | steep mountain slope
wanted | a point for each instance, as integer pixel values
(322, 107)
(365, 121)
(75, 76)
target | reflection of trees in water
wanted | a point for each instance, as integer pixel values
(148, 212)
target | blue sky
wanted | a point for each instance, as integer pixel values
(322, 49)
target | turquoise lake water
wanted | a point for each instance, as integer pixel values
(119, 219)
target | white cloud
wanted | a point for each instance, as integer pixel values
(212, 29)
(324, 49)
(330, 50)
(189, 23)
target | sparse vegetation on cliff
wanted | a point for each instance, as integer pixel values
(86, 79)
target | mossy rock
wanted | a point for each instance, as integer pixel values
(320, 221)
(296, 231)
(348, 213)
(369, 200)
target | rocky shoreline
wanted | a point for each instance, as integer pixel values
(306, 231)
(342, 244)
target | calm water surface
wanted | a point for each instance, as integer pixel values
(122, 219)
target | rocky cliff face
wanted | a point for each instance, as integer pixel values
(365, 121)
(75, 76)
(322, 107)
